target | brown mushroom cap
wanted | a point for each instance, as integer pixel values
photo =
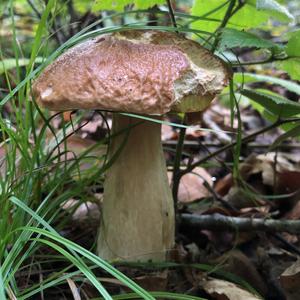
(147, 72)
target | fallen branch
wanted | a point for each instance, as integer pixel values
(221, 222)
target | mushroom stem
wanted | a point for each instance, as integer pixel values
(137, 222)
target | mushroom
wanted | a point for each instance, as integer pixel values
(141, 72)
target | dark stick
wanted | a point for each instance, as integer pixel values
(221, 222)
(171, 13)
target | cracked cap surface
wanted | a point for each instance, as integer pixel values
(147, 72)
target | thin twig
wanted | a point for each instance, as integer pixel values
(221, 222)
(176, 171)
(179, 148)
(36, 11)
(288, 245)
(224, 22)
(231, 145)
(171, 13)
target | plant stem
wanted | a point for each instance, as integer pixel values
(223, 23)
(176, 171)
(171, 13)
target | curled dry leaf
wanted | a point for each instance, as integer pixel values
(290, 281)
(265, 164)
(192, 185)
(224, 290)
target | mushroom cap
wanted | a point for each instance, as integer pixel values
(138, 71)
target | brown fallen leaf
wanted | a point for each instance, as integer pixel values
(265, 164)
(290, 281)
(192, 186)
(167, 133)
(223, 290)
(153, 282)
(76, 147)
(236, 262)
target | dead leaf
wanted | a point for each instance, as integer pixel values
(265, 164)
(224, 184)
(167, 133)
(153, 282)
(192, 187)
(76, 146)
(224, 290)
(86, 210)
(293, 214)
(290, 281)
(236, 262)
(73, 289)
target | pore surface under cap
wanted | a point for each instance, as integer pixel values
(146, 72)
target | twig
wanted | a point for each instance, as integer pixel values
(221, 222)
(197, 144)
(36, 11)
(290, 247)
(176, 172)
(171, 13)
(231, 145)
(224, 22)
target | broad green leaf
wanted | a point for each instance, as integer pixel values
(83, 6)
(291, 66)
(110, 4)
(251, 77)
(10, 63)
(294, 132)
(275, 10)
(251, 15)
(277, 105)
(143, 4)
(293, 46)
(231, 38)
(120, 4)
(247, 17)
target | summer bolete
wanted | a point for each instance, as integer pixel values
(142, 72)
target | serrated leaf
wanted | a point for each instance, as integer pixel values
(293, 45)
(82, 6)
(142, 4)
(277, 105)
(294, 132)
(249, 16)
(275, 10)
(246, 17)
(250, 77)
(232, 38)
(110, 4)
(119, 5)
(291, 66)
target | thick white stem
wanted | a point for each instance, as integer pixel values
(137, 221)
